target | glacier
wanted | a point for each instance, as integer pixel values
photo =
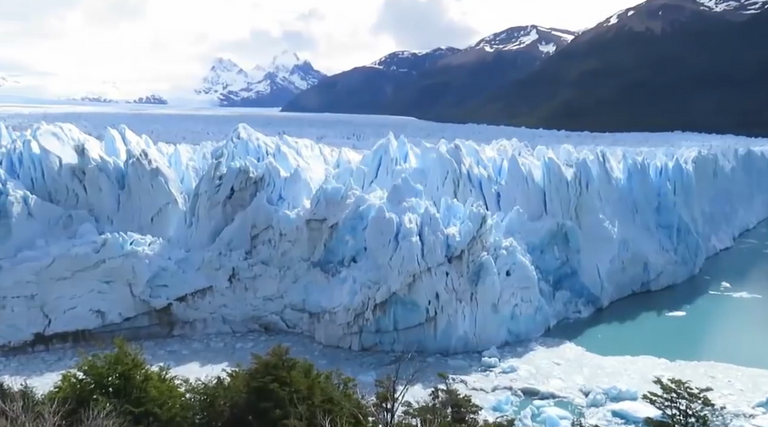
(445, 247)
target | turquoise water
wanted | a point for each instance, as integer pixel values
(698, 320)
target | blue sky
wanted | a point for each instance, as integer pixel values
(161, 43)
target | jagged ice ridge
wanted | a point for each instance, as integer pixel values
(442, 248)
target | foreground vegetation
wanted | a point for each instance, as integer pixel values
(119, 389)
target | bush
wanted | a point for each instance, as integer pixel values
(24, 407)
(122, 381)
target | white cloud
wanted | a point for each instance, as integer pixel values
(159, 44)
(422, 25)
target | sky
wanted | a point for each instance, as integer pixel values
(156, 45)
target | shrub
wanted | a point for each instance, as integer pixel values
(122, 381)
(24, 407)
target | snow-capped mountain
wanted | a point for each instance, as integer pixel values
(224, 75)
(152, 99)
(734, 6)
(659, 15)
(411, 61)
(418, 84)
(541, 41)
(546, 40)
(109, 92)
(97, 99)
(263, 86)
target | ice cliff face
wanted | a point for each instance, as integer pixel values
(446, 247)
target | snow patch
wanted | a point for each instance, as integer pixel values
(633, 412)
(548, 48)
(740, 6)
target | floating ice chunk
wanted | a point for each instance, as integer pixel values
(762, 404)
(505, 404)
(489, 362)
(508, 368)
(619, 393)
(550, 420)
(526, 417)
(745, 295)
(556, 412)
(675, 313)
(725, 285)
(633, 412)
(596, 399)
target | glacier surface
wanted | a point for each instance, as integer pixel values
(442, 247)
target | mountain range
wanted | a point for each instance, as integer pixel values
(152, 99)
(225, 83)
(696, 65)
(664, 65)
(425, 83)
(271, 86)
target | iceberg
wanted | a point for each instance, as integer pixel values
(446, 247)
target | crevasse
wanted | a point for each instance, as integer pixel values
(409, 246)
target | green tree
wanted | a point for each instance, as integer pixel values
(281, 391)
(211, 399)
(123, 381)
(683, 405)
(448, 407)
(391, 390)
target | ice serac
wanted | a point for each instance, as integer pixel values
(448, 247)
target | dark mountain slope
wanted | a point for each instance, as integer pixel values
(702, 71)
(361, 90)
(426, 84)
(442, 89)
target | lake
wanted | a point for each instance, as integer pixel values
(719, 315)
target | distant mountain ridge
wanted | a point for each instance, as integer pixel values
(407, 83)
(547, 40)
(412, 62)
(264, 86)
(658, 16)
(152, 99)
(663, 65)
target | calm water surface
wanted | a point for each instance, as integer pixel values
(719, 315)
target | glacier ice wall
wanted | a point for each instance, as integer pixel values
(448, 247)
